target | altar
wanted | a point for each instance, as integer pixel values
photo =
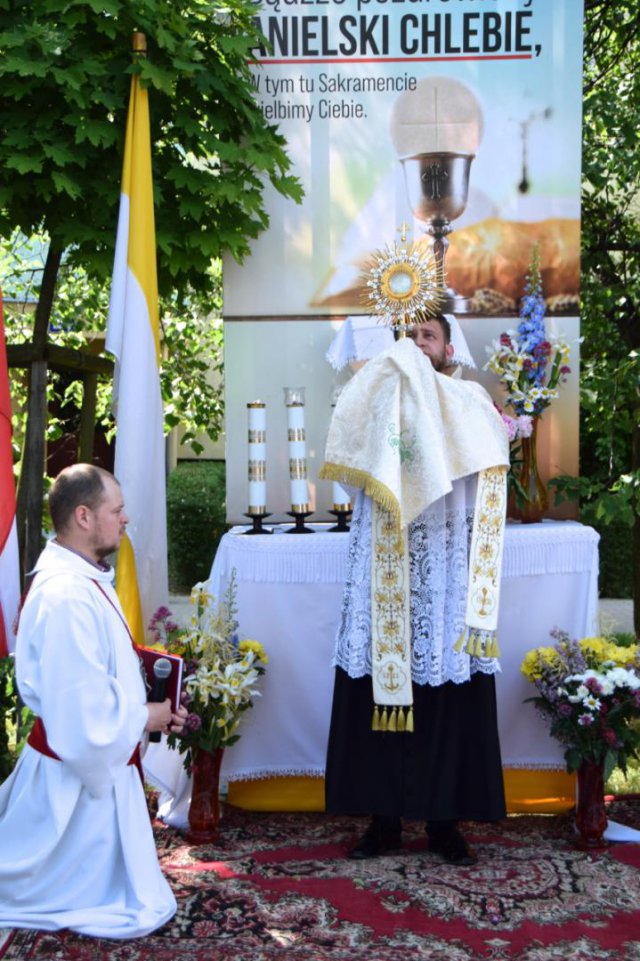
(289, 598)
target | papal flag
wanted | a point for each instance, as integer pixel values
(133, 337)
(9, 559)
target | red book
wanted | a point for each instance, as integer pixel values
(148, 656)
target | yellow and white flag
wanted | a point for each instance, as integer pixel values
(133, 337)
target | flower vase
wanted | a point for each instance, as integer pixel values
(591, 815)
(204, 809)
(534, 507)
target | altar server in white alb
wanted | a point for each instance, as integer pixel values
(76, 845)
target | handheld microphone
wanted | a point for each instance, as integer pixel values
(162, 669)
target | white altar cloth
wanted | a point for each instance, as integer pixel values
(289, 598)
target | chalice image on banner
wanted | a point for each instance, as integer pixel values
(436, 129)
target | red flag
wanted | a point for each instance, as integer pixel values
(9, 563)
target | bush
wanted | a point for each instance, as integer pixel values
(15, 719)
(195, 521)
(616, 560)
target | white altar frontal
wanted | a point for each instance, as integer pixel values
(289, 597)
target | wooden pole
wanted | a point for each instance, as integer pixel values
(31, 486)
(87, 418)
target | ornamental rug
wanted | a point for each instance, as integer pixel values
(277, 887)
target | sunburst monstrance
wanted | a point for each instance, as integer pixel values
(403, 280)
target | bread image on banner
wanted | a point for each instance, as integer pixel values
(437, 132)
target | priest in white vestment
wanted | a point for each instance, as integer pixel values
(76, 845)
(414, 725)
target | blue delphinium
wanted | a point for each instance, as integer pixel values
(532, 335)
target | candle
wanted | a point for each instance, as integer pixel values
(257, 437)
(294, 400)
(341, 500)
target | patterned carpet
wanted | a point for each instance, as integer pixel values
(277, 887)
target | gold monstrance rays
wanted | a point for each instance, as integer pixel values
(403, 280)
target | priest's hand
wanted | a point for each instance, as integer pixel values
(160, 716)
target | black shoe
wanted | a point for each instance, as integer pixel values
(382, 835)
(450, 844)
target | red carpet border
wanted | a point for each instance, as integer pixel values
(277, 887)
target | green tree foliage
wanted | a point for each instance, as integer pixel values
(191, 336)
(65, 69)
(609, 485)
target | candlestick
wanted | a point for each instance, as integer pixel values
(256, 524)
(294, 400)
(299, 517)
(342, 514)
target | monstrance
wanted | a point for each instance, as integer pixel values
(403, 280)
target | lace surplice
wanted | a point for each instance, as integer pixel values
(439, 555)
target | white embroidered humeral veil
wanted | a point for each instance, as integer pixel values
(431, 454)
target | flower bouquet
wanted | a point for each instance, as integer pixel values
(220, 671)
(531, 368)
(590, 690)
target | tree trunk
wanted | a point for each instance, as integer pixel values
(31, 485)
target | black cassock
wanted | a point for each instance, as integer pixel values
(449, 768)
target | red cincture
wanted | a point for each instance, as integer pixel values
(38, 741)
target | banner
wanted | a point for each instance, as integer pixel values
(453, 121)
(462, 116)
(132, 336)
(9, 559)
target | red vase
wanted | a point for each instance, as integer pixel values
(532, 510)
(591, 815)
(204, 808)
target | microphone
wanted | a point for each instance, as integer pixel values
(162, 669)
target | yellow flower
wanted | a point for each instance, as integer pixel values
(535, 660)
(256, 647)
(598, 649)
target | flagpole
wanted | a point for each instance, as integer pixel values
(139, 44)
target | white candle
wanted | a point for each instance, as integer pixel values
(257, 447)
(294, 399)
(341, 500)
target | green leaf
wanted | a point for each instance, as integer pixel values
(66, 184)
(610, 763)
(24, 164)
(58, 153)
(573, 759)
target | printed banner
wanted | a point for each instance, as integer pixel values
(458, 118)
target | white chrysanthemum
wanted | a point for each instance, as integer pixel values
(591, 702)
(622, 677)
